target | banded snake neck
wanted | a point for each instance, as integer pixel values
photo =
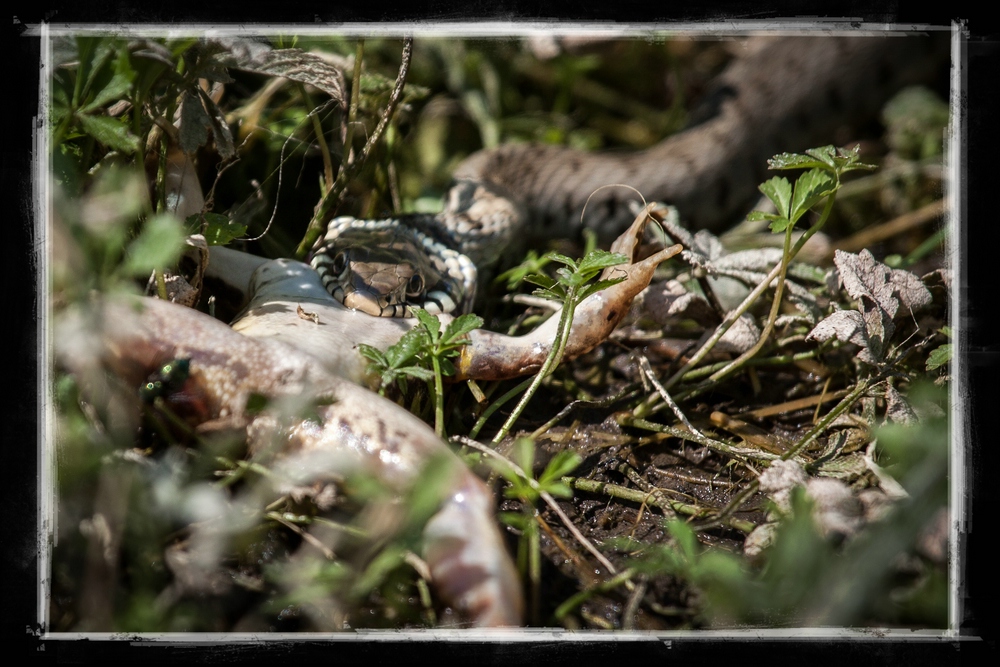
(784, 94)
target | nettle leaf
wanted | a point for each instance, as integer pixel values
(111, 132)
(158, 245)
(779, 191)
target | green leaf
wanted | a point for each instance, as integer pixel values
(524, 454)
(111, 132)
(809, 189)
(541, 280)
(116, 89)
(795, 161)
(598, 286)
(462, 325)
(157, 246)
(431, 324)
(687, 542)
(756, 216)
(779, 225)
(408, 347)
(561, 464)
(562, 259)
(939, 357)
(779, 191)
(219, 229)
(598, 260)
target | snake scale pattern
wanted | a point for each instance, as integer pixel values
(783, 94)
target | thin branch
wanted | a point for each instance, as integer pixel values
(333, 198)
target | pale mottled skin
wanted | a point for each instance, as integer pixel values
(358, 430)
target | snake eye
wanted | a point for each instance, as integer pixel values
(415, 286)
(339, 263)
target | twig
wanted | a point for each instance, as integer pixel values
(549, 500)
(332, 198)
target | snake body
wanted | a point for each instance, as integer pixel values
(783, 94)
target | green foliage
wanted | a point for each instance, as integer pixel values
(941, 355)
(419, 349)
(571, 280)
(525, 487)
(825, 165)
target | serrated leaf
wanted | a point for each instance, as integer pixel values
(430, 323)
(779, 191)
(562, 259)
(810, 187)
(541, 280)
(158, 245)
(598, 286)
(424, 374)
(794, 161)
(939, 357)
(406, 348)
(462, 325)
(779, 225)
(372, 354)
(598, 260)
(111, 132)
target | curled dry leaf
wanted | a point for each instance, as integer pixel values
(880, 291)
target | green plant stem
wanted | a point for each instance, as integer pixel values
(715, 445)
(352, 114)
(748, 301)
(495, 405)
(779, 292)
(551, 361)
(438, 397)
(638, 496)
(549, 500)
(324, 149)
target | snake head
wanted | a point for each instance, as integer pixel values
(385, 268)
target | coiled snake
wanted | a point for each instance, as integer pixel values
(785, 94)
